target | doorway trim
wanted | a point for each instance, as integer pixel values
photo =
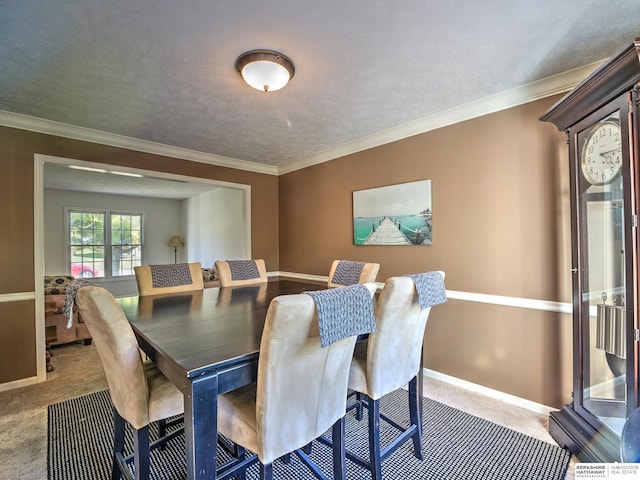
(38, 232)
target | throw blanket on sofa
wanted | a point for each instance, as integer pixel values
(347, 272)
(343, 312)
(70, 299)
(56, 285)
(430, 288)
(170, 275)
(243, 269)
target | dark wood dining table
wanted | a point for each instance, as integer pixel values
(206, 342)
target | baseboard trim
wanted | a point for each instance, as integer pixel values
(23, 382)
(482, 298)
(490, 392)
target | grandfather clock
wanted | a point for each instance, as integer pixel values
(600, 117)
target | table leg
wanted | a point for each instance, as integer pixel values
(415, 409)
(420, 385)
(201, 428)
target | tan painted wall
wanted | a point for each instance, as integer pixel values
(17, 149)
(500, 200)
(500, 227)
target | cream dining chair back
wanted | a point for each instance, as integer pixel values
(139, 392)
(169, 278)
(391, 358)
(232, 273)
(300, 392)
(347, 272)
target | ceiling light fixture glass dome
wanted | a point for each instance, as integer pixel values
(265, 70)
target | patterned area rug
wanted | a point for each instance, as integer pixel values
(457, 446)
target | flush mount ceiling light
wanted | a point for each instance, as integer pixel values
(265, 70)
(88, 169)
(102, 170)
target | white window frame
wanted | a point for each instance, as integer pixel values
(108, 246)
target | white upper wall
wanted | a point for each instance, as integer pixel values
(216, 226)
(213, 225)
(162, 218)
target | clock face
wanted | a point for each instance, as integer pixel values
(601, 158)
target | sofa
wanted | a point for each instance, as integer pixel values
(210, 278)
(57, 333)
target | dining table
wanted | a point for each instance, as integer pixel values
(206, 342)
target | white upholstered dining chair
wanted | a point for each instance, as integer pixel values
(348, 272)
(140, 393)
(169, 278)
(387, 361)
(232, 273)
(301, 390)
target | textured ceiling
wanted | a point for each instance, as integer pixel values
(61, 177)
(163, 71)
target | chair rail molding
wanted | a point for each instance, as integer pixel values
(529, 303)
(17, 297)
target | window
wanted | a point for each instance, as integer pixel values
(104, 244)
(126, 243)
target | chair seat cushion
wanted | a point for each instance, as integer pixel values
(358, 369)
(237, 416)
(165, 400)
(376, 381)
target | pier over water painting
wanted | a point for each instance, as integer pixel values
(393, 215)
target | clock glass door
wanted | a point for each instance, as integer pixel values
(602, 259)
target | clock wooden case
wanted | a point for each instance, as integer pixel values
(600, 118)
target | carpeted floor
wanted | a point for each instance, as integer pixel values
(456, 445)
(23, 411)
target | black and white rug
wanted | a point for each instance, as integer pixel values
(457, 446)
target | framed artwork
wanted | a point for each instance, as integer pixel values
(393, 215)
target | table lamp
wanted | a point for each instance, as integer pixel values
(176, 242)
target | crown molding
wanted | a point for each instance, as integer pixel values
(547, 87)
(39, 125)
(530, 92)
